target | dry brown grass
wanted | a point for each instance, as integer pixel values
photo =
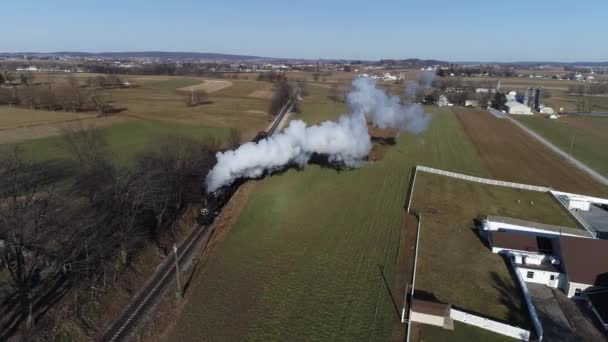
(209, 86)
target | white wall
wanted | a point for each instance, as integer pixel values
(540, 277)
(572, 286)
(487, 324)
(495, 226)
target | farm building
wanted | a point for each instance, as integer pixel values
(432, 313)
(515, 107)
(555, 259)
(443, 101)
(471, 103)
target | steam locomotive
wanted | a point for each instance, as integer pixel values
(213, 203)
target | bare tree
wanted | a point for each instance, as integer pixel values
(88, 148)
(281, 95)
(28, 221)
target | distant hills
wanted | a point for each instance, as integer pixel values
(144, 54)
(246, 58)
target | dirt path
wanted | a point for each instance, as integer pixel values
(209, 86)
(20, 134)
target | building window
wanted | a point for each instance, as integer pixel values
(577, 292)
(530, 275)
(552, 277)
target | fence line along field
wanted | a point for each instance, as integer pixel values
(584, 137)
(315, 244)
(511, 154)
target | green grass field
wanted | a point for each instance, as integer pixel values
(585, 137)
(154, 109)
(11, 117)
(125, 140)
(302, 261)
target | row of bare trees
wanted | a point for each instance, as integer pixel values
(58, 238)
(589, 89)
(65, 96)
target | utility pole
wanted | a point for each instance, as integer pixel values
(178, 293)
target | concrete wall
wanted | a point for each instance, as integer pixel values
(427, 319)
(487, 324)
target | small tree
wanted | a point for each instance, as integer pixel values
(499, 101)
(281, 94)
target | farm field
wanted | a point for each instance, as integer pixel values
(586, 137)
(303, 260)
(11, 117)
(449, 244)
(162, 98)
(572, 103)
(155, 109)
(125, 140)
(508, 153)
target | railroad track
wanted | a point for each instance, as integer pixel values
(165, 272)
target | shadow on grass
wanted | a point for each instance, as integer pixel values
(388, 289)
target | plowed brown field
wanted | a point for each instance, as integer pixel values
(508, 153)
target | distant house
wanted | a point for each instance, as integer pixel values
(29, 68)
(388, 77)
(443, 101)
(471, 103)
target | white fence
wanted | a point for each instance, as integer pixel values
(488, 324)
(483, 180)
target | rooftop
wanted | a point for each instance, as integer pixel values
(585, 260)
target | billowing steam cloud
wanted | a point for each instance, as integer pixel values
(345, 141)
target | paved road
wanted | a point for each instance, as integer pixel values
(595, 175)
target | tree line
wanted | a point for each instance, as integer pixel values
(80, 237)
(69, 95)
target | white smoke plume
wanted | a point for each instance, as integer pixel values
(346, 141)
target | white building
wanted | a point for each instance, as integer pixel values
(443, 101)
(515, 107)
(389, 77)
(557, 257)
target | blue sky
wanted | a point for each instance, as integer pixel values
(454, 30)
